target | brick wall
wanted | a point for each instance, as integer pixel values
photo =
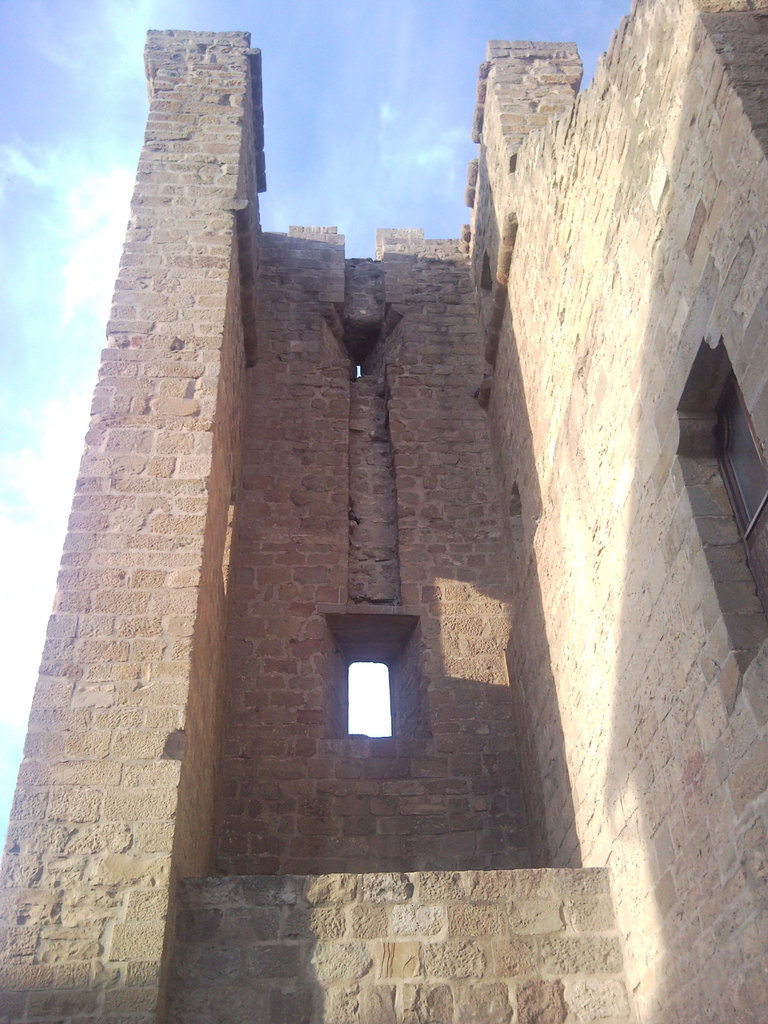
(640, 236)
(116, 791)
(406, 447)
(528, 946)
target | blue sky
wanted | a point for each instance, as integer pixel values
(368, 107)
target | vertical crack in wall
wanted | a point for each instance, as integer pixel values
(374, 569)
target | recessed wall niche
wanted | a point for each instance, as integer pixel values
(392, 637)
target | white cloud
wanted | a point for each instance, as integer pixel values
(37, 490)
(406, 143)
(38, 482)
(386, 113)
(98, 209)
(442, 152)
(16, 164)
(89, 209)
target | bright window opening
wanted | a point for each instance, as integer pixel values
(369, 704)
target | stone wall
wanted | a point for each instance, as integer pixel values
(569, 620)
(640, 236)
(116, 790)
(454, 947)
(416, 582)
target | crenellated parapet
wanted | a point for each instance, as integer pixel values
(522, 87)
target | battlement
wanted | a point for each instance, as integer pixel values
(329, 235)
(411, 242)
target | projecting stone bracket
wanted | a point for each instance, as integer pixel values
(471, 189)
(482, 87)
(364, 318)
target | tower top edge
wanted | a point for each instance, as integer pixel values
(240, 39)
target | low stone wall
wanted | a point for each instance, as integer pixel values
(469, 947)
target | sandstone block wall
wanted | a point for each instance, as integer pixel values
(571, 628)
(116, 790)
(523, 946)
(640, 670)
(405, 448)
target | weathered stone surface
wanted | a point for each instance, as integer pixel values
(525, 472)
(594, 999)
(516, 955)
(398, 959)
(588, 955)
(332, 889)
(389, 961)
(541, 1002)
(538, 916)
(120, 684)
(349, 507)
(342, 1004)
(637, 246)
(378, 1005)
(425, 1003)
(482, 1003)
(387, 888)
(341, 961)
(369, 921)
(412, 920)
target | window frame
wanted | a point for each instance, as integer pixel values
(731, 397)
(390, 700)
(739, 573)
(389, 635)
(753, 529)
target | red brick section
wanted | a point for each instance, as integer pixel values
(108, 813)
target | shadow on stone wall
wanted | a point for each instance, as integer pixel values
(688, 724)
(549, 798)
(654, 234)
(299, 796)
(414, 948)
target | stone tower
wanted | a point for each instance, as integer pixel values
(509, 467)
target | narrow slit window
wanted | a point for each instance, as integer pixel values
(226, 558)
(368, 699)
